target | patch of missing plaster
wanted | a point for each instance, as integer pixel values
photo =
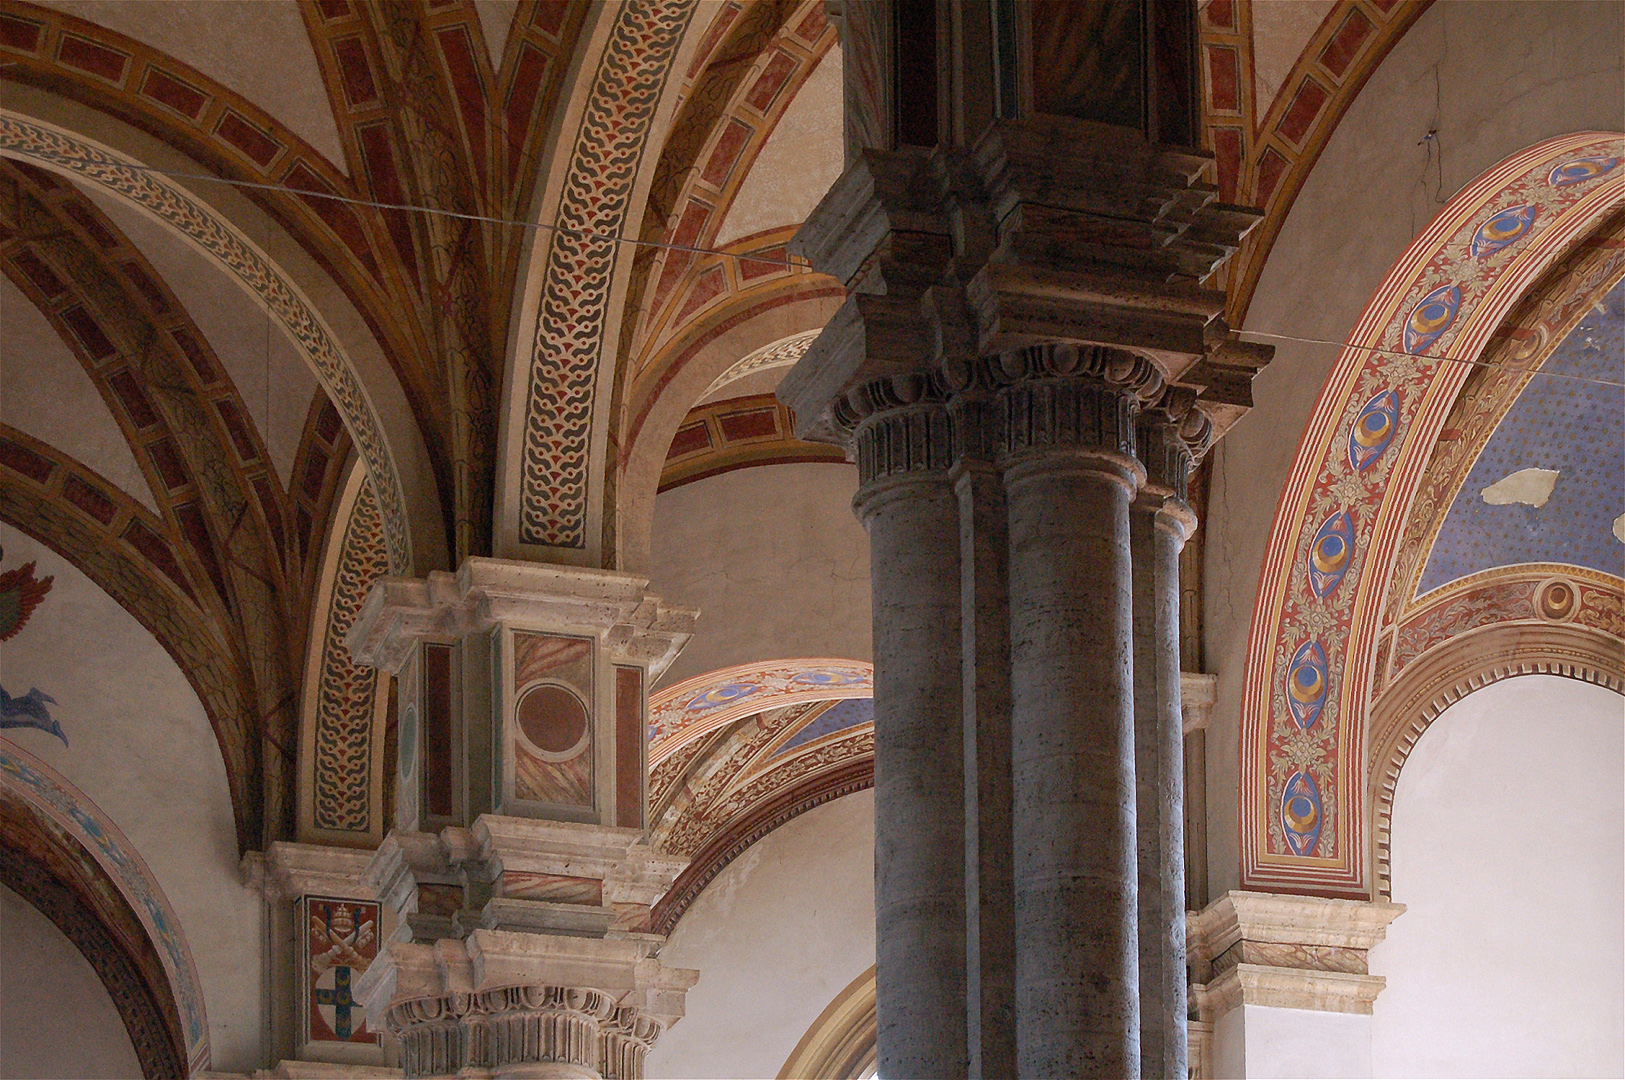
(1529, 486)
(1619, 528)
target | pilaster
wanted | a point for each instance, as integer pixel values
(521, 887)
(326, 927)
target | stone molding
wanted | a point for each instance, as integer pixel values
(511, 873)
(1295, 952)
(1050, 230)
(1197, 693)
(294, 870)
(400, 612)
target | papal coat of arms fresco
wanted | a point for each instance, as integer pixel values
(341, 940)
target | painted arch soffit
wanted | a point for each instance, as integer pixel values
(54, 798)
(1333, 545)
(555, 411)
(52, 148)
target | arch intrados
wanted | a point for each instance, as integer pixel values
(683, 380)
(1450, 672)
(111, 862)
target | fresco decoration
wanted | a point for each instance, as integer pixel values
(103, 168)
(1373, 430)
(580, 268)
(347, 702)
(53, 796)
(340, 942)
(1553, 424)
(719, 793)
(1307, 684)
(1579, 170)
(1433, 315)
(706, 703)
(1503, 230)
(20, 593)
(1333, 543)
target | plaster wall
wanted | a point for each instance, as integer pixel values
(40, 972)
(783, 929)
(1508, 829)
(140, 746)
(44, 391)
(1282, 1044)
(774, 560)
(1493, 78)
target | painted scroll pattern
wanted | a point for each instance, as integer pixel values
(580, 268)
(1338, 526)
(346, 699)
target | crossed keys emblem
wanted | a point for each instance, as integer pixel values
(331, 969)
(344, 939)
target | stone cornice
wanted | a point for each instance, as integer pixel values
(297, 870)
(400, 612)
(1299, 952)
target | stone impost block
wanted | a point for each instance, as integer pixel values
(484, 593)
(1297, 952)
(1197, 692)
(297, 870)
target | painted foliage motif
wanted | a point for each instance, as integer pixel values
(341, 941)
(1340, 521)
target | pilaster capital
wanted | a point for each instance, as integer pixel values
(498, 999)
(1197, 693)
(400, 612)
(294, 870)
(1298, 952)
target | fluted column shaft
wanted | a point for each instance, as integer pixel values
(1070, 475)
(912, 516)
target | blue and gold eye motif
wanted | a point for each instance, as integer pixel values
(827, 678)
(1507, 227)
(1429, 319)
(1306, 683)
(726, 694)
(1580, 170)
(1300, 813)
(1373, 430)
(1330, 553)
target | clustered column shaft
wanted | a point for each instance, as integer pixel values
(1022, 677)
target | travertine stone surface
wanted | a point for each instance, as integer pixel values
(912, 518)
(1296, 952)
(520, 953)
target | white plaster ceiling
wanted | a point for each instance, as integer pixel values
(45, 392)
(271, 375)
(802, 158)
(258, 49)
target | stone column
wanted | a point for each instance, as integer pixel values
(1070, 474)
(522, 900)
(1160, 522)
(1282, 984)
(912, 516)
